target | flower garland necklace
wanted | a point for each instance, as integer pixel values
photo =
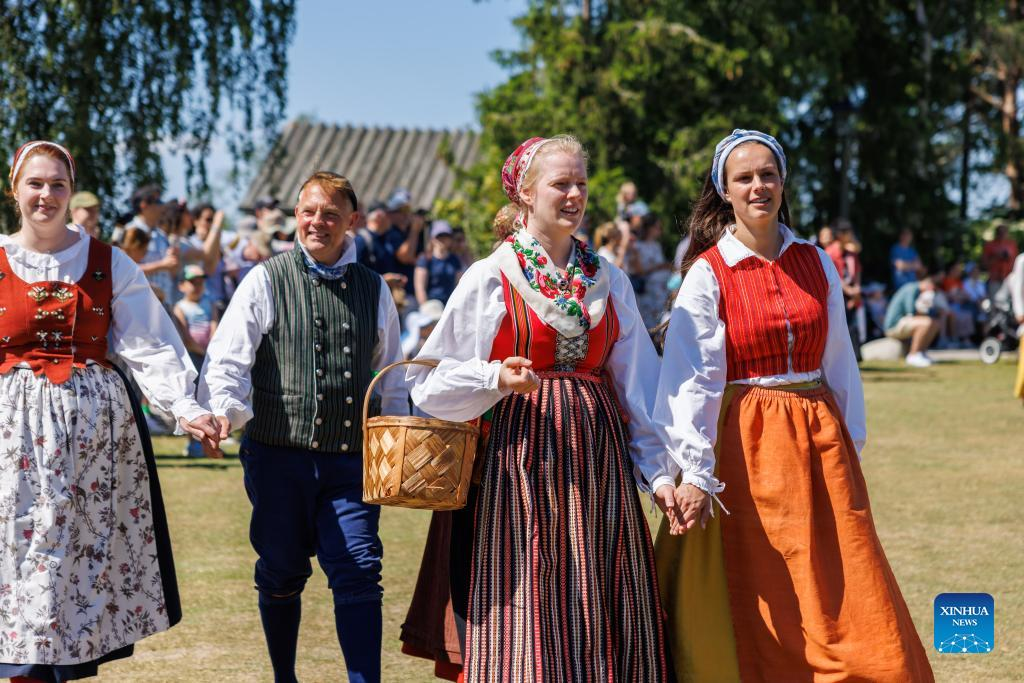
(565, 292)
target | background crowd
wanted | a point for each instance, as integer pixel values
(194, 262)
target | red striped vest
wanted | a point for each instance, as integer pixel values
(755, 299)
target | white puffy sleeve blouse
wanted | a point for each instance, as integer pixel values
(465, 384)
(693, 372)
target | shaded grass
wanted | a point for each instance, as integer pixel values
(944, 464)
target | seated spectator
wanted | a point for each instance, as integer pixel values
(914, 315)
(437, 270)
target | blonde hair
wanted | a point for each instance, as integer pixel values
(332, 183)
(505, 221)
(559, 144)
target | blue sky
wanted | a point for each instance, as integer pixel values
(413, 63)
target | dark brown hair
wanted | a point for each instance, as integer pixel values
(710, 217)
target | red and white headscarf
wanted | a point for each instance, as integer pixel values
(22, 154)
(516, 165)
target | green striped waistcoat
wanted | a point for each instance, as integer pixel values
(313, 366)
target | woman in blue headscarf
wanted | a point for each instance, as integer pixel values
(759, 389)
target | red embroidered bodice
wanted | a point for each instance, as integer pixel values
(523, 333)
(54, 326)
(757, 297)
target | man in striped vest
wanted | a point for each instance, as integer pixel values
(291, 361)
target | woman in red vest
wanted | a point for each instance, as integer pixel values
(548, 574)
(85, 569)
(760, 391)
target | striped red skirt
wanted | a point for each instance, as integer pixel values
(562, 573)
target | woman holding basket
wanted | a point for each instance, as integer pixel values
(552, 568)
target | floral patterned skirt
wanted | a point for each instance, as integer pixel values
(80, 575)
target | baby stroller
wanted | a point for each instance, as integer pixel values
(999, 331)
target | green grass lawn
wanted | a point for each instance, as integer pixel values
(943, 463)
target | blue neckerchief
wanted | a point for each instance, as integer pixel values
(319, 270)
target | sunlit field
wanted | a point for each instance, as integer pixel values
(944, 464)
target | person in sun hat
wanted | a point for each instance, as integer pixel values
(761, 408)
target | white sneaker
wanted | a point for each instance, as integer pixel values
(918, 360)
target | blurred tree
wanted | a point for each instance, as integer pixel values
(867, 97)
(117, 80)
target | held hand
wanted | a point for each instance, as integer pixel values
(516, 375)
(694, 506)
(666, 500)
(207, 431)
(218, 220)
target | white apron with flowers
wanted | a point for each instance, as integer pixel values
(78, 568)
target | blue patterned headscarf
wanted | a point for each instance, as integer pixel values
(724, 148)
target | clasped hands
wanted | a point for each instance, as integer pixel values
(209, 431)
(684, 506)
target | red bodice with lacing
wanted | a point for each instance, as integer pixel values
(54, 326)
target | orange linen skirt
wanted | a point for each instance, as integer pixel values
(793, 585)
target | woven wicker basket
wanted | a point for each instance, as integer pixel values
(416, 462)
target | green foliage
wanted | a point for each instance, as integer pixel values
(118, 79)
(867, 97)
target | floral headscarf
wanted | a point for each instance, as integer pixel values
(516, 165)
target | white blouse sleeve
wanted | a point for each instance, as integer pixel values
(692, 382)
(145, 338)
(226, 384)
(838, 363)
(465, 384)
(632, 366)
(1016, 282)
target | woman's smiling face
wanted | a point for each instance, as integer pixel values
(558, 197)
(753, 183)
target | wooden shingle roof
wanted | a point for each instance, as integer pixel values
(376, 160)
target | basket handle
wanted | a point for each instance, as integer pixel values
(429, 362)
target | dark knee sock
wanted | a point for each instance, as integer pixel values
(280, 617)
(359, 633)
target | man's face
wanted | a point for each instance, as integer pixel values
(322, 221)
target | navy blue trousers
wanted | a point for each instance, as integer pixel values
(307, 503)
